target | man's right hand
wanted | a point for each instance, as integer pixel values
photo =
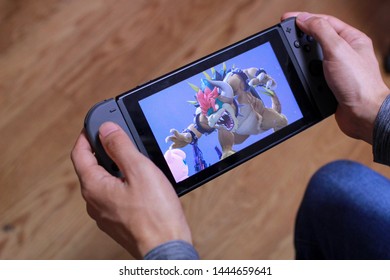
(351, 70)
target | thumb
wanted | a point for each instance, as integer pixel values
(322, 31)
(118, 146)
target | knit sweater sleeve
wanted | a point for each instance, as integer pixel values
(381, 134)
(173, 250)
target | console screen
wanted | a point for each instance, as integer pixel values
(221, 111)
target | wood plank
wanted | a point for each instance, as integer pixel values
(58, 58)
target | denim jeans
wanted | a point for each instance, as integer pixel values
(345, 214)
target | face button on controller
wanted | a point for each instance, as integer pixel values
(297, 44)
(309, 38)
(307, 48)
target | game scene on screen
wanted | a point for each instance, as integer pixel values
(220, 111)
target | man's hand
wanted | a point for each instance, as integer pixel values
(351, 70)
(140, 211)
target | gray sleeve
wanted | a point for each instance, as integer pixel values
(173, 250)
(381, 134)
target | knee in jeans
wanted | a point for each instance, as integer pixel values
(334, 180)
(337, 173)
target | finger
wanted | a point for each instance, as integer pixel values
(171, 137)
(175, 132)
(318, 26)
(185, 136)
(118, 146)
(321, 23)
(175, 146)
(82, 155)
(177, 136)
(339, 26)
(336, 23)
(323, 30)
(354, 37)
(85, 164)
(289, 15)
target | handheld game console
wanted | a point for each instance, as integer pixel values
(207, 117)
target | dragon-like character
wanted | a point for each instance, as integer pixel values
(229, 104)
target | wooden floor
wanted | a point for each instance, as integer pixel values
(58, 58)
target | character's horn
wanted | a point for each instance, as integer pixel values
(227, 90)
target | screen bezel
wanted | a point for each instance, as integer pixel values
(144, 137)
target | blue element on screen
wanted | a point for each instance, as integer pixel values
(233, 108)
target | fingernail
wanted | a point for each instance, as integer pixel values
(304, 16)
(108, 128)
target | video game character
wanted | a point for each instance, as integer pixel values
(229, 103)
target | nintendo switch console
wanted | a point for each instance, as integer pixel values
(205, 118)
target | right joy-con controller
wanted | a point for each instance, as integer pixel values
(309, 57)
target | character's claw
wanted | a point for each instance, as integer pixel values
(179, 139)
(261, 76)
(268, 84)
(263, 80)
